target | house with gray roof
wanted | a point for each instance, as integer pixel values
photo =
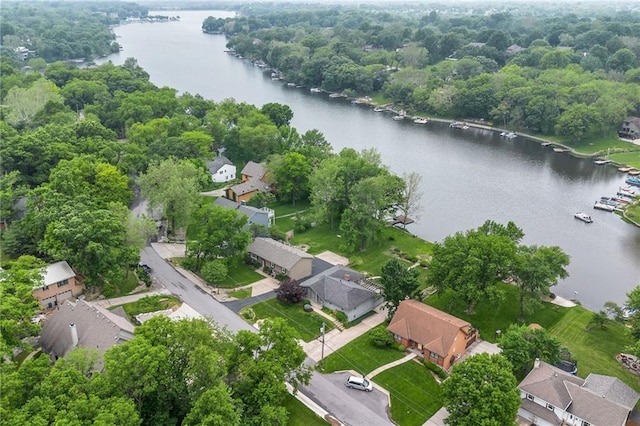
(551, 397)
(253, 181)
(281, 258)
(630, 128)
(343, 289)
(264, 216)
(83, 324)
(221, 169)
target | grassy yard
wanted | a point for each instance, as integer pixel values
(284, 208)
(240, 275)
(360, 355)
(151, 304)
(240, 294)
(594, 349)
(306, 324)
(415, 395)
(630, 158)
(300, 415)
(633, 212)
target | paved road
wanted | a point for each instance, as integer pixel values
(237, 305)
(333, 397)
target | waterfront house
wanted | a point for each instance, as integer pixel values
(630, 128)
(263, 217)
(221, 169)
(440, 338)
(343, 289)
(59, 284)
(83, 324)
(551, 397)
(253, 181)
(281, 258)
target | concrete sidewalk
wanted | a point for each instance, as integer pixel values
(335, 339)
(380, 369)
(117, 301)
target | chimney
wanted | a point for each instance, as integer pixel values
(74, 334)
(536, 363)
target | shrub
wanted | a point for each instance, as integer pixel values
(400, 347)
(436, 369)
(381, 337)
(341, 316)
(290, 291)
(109, 290)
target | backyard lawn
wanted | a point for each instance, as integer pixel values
(306, 324)
(150, 304)
(415, 394)
(595, 349)
(360, 355)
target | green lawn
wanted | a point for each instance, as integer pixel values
(240, 294)
(594, 349)
(306, 324)
(284, 208)
(300, 415)
(240, 275)
(633, 212)
(415, 395)
(150, 304)
(360, 355)
(630, 158)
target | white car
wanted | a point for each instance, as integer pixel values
(359, 383)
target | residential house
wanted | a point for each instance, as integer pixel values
(253, 181)
(551, 396)
(343, 289)
(441, 338)
(630, 128)
(221, 169)
(59, 284)
(83, 324)
(281, 258)
(264, 216)
(513, 49)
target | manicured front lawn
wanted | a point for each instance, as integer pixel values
(151, 304)
(415, 394)
(240, 275)
(630, 158)
(240, 294)
(306, 324)
(360, 355)
(300, 415)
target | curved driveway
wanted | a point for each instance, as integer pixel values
(334, 397)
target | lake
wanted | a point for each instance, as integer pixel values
(469, 176)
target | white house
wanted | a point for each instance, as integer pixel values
(221, 169)
(552, 397)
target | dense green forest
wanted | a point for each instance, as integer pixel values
(571, 75)
(57, 31)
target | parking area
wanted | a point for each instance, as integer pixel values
(376, 400)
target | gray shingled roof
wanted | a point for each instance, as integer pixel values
(598, 399)
(548, 383)
(276, 252)
(97, 328)
(248, 211)
(540, 411)
(57, 272)
(254, 170)
(339, 286)
(612, 389)
(248, 186)
(217, 163)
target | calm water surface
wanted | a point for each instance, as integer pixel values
(468, 176)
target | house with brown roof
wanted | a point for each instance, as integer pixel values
(281, 258)
(253, 181)
(630, 128)
(440, 338)
(60, 283)
(83, 324)
(553, 397)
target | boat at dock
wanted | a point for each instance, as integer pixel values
(315, 90)
(602, 206)
(609, 201)
(633, 180)
(378, 109)
(626, 192)
(458, 125)
(337, 95)
(556, 149)
(583, 217)
(624, 169)
(634, 172)
(421, 121)
(545, 143)
(398, 117)
(602, 162)
(508, 135)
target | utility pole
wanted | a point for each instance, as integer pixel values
(322, 331)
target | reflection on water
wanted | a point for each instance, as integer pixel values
(469, 176)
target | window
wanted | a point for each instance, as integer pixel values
(272, 265)
(397, 337)
(585, 423)
(63, 283)
(284, 270)
(530, 397)
(550, 407)
(433, 355)
(221, 172)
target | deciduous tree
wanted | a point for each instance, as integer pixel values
(522, 345)
(399, 282)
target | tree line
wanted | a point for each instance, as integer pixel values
(572, 75)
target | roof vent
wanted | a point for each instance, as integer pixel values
(347, 277)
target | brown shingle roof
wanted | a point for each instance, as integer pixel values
(254, 170)
(434, 329)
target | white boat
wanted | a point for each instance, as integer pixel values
(421, 121)
(583, 217)
(378, 109)
(602, 206)
(601, 162)
(398, 117)
(315, 90)
(291, 85)
(508, 135)
(626, 192)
